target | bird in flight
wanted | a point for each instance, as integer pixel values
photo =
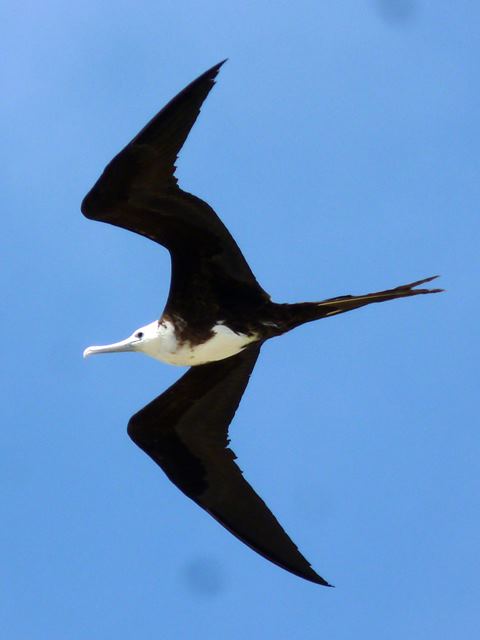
(215, 321)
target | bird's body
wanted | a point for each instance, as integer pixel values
(162, 340)
(216, 318)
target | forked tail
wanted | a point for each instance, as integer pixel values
(308, 311)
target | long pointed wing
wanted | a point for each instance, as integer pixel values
(138, 191)
(185, 431)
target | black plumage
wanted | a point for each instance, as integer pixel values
(185, 430)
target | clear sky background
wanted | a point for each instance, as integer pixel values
(341, 147)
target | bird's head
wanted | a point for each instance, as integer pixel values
(140, 340)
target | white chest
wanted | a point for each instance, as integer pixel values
(223, 344)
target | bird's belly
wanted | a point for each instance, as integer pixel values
(223, 344)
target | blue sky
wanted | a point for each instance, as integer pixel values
(340, 146)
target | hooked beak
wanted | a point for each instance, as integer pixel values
(123, 345)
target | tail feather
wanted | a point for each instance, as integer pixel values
(309, 311)
(334, 306)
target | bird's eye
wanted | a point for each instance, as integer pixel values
(139, 335)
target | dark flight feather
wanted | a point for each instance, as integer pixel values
(138, 191)
(185, 431)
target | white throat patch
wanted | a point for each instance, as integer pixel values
(163, 345)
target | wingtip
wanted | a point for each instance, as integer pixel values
(213, 71)
(307, 574)
(322, 582)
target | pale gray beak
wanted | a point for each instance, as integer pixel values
(123, 345)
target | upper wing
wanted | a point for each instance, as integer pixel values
(185, 431)
(138, 191)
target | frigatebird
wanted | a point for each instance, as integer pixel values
(216, 319)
